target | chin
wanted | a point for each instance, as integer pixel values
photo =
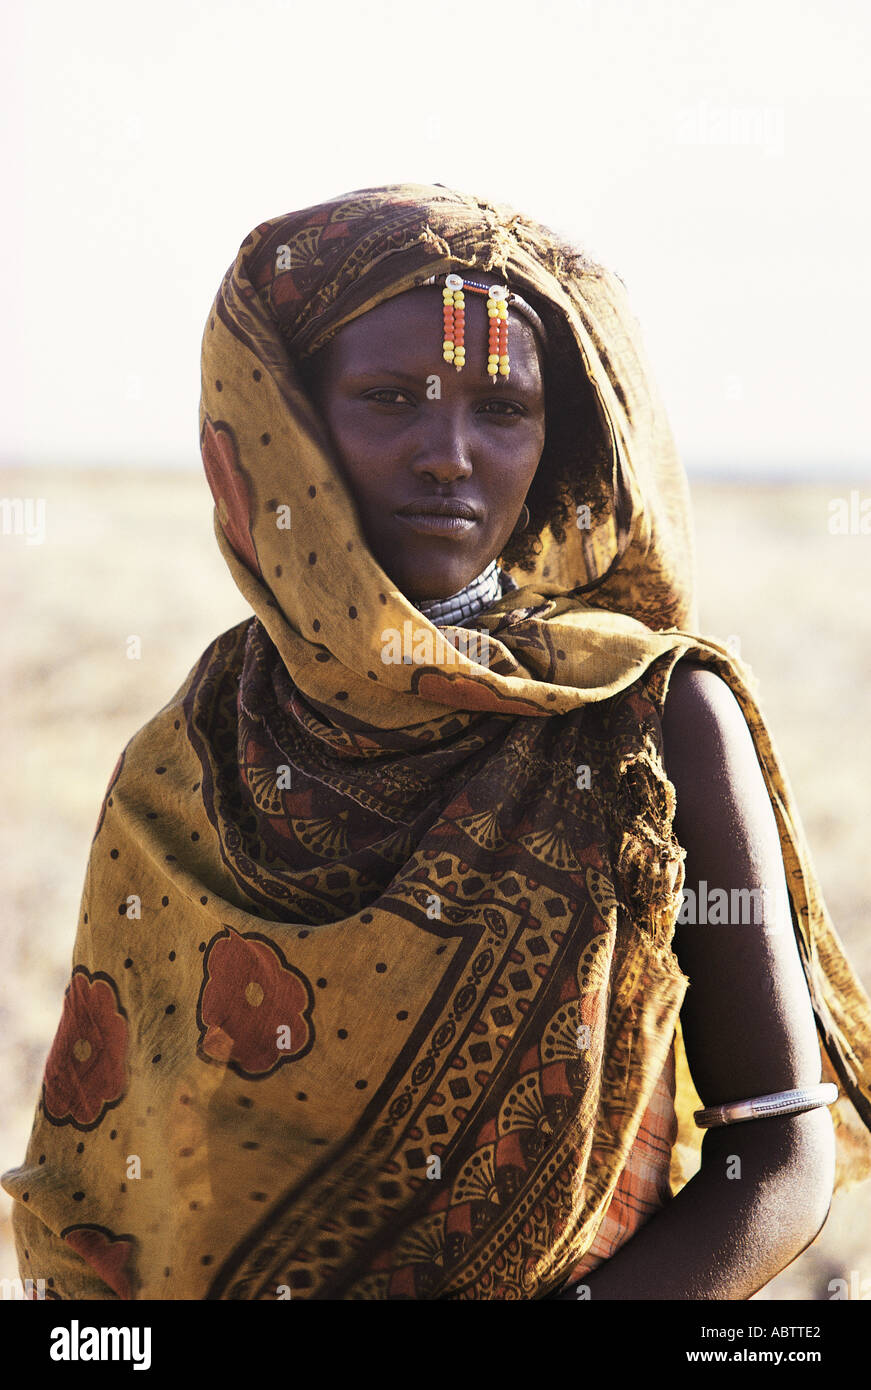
(420, 581)
(439, 587)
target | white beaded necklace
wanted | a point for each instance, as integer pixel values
(490, 585)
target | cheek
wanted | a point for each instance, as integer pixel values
(526, 463)
(360, 455)
(536, 454)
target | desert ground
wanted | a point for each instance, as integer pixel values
(132, 553)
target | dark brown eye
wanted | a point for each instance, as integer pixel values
(508, 408)
(384, 391)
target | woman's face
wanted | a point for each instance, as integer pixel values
(408, 428)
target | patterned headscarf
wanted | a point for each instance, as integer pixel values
(314, 584)
(373, 985)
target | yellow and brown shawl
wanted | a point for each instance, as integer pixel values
(373, 983)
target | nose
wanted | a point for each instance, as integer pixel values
(444, 452)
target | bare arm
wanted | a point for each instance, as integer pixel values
(748, 1029)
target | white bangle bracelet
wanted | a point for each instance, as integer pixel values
(761, 1107)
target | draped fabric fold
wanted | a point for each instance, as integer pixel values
(373, 985)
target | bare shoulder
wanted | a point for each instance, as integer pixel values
(705, 734)
(700, 700)
(692, 682)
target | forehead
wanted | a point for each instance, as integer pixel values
(409, 327)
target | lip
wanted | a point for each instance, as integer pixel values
(439, 516)
(439, 506)
(437, 523)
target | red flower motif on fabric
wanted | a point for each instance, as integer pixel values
(85, 1071)
(230, 489)
(465, 692)
(254, 1009)
(106, 1253)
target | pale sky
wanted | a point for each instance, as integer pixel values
(715, 156)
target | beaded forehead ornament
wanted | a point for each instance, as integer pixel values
(454, 315)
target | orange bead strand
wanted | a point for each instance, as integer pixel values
(454, 343)
(448, 325)
(454, 324)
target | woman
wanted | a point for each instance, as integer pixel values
(378, 979)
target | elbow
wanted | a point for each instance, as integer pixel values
(799, 1191)
(785, 1168)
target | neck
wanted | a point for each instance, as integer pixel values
(489, 585)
